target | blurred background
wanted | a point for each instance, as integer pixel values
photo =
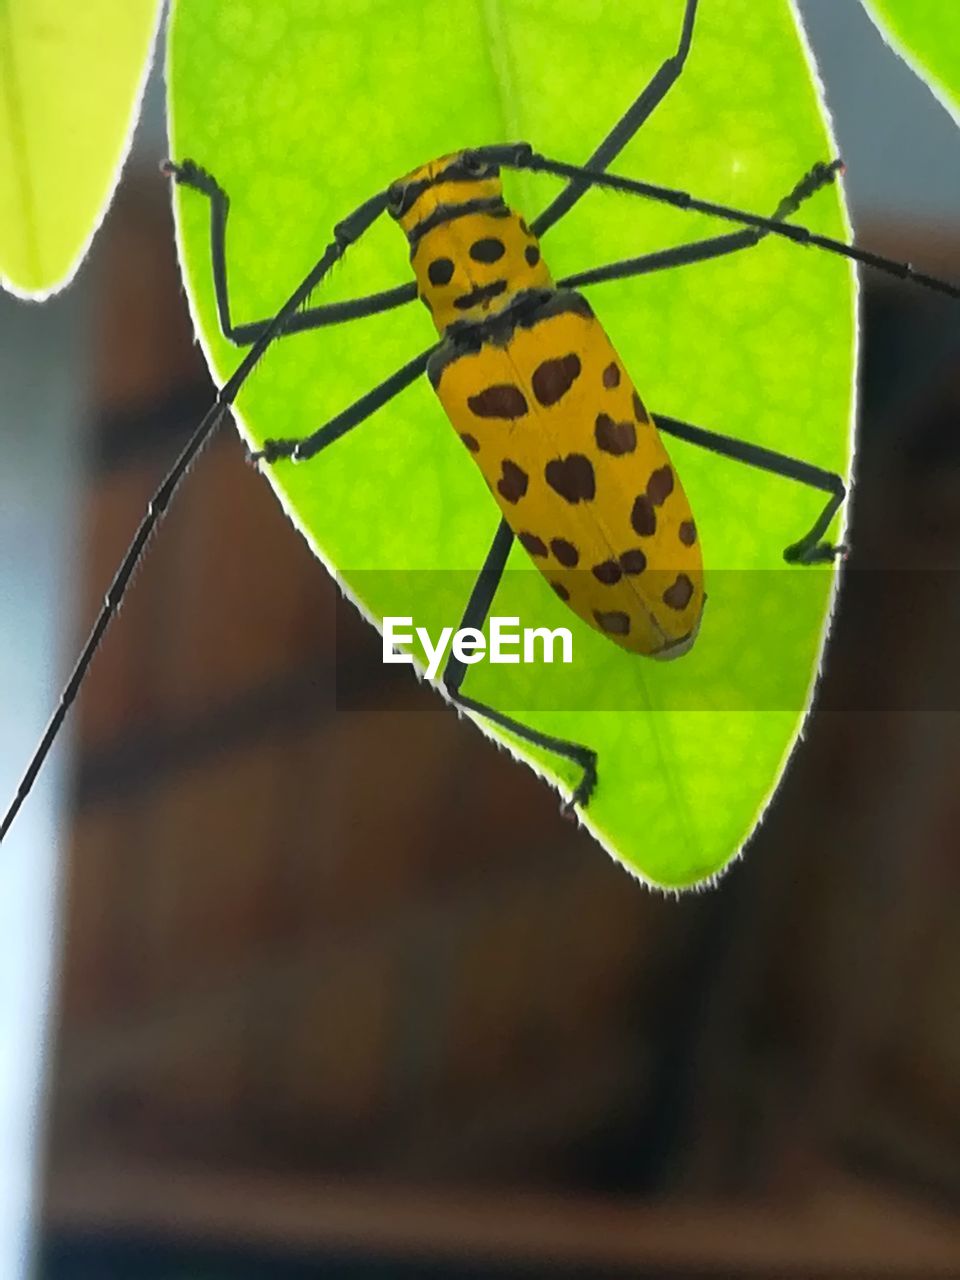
(418, 1025)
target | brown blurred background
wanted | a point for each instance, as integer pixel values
(342, 994)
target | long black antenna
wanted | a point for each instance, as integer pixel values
(522, 156)
(345, 233)
(111, 602)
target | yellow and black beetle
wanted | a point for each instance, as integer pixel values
(535, 390)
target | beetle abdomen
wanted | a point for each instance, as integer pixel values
(551, 417)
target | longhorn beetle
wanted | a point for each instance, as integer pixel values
(535, 390)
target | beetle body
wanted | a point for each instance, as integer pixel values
(543, 403)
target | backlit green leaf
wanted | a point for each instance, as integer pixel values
(926, 34)
(71, 77)
(303, 110)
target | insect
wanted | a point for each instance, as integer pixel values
(539, 397)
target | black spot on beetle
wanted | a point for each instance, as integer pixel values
(608, 573)
(533, 545)
(501, 401)
(616, 623)
(489, 249)
(617, 438)
(566, 552)
(553, 378)
(480, 296)
(513, 483)
(440, 271)
(660, 485)
(640, 409)
(633, 561)
(572, 477)
(679, 593)
(643, 517)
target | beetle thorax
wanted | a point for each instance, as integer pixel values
(471, 254)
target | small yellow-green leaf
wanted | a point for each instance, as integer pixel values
(926, 34)
(71, 79)
(303, 110)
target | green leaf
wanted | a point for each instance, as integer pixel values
(926, 34)
(71, 79)
(303, 111)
